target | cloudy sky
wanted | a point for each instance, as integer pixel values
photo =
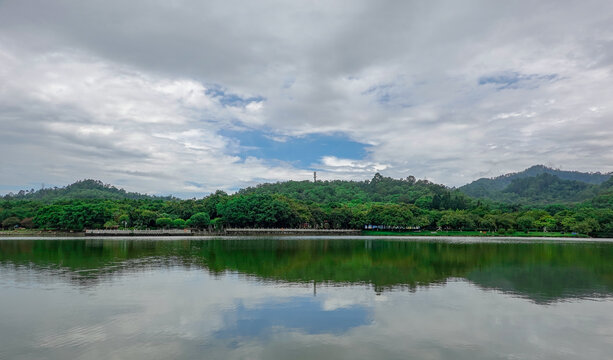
(185, 97)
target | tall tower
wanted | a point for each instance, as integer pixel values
(314, 176)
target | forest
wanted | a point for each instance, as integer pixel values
(382, 202)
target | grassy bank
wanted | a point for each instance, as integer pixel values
(34, 232)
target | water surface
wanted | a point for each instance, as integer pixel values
(305, 299)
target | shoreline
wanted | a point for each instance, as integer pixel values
(440, 238)
(233, 232)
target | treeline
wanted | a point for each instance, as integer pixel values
(390, 203)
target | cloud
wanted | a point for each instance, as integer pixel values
(140, 94)
(74, 116)
(347, 168)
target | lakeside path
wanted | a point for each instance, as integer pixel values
(444, 239)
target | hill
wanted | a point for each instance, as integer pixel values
(538, 185)
(381, 203)
(422, 193)
(80, 190)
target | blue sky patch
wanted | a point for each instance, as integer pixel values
(229, 99)
(390, 95)
(381, 93)
(193, 183)
(301, 313)
(300, 151)
(513, 80)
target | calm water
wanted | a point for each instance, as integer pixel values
(305, 299)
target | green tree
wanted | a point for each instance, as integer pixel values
(211, 201)
(424, 202)
(10, 222)
(488, 222)
(390, 215)
(217, 224)
(178, 223)
(200, 220)
(111, 224)
(587, 226)
(146, 218)
(546, 222)
(258, 210)
(525, 223)
(124, 220)
(457, 220)
(163, 222)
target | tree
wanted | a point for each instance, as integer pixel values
(111, 224)
(525, 223)
(546, 222)
(505, 221)
(178, 223)
(457, 220)
(147, 217)
(124, 220)
(488, 222)
(163, 222)
(211, 201)
(27, 223)
(390, 215)
(424, 202)
(586, 226)
(423, 221)
(260, 210)
(569, 223)
(10, 222)
(340, 217)
(217, 223)
(200, 220)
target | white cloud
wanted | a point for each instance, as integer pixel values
(347, 168)
(446, 91)
(76, 116)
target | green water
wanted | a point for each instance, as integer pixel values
(305, 299)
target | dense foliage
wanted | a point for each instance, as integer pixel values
(84, 189)
(396, 204)
(539, 185)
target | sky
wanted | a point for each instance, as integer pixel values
(185, 97)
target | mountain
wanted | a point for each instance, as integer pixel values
(83, 189)
(422, 193)
(538, 185)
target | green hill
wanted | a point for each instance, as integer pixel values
(80, 190)
(383, 202)
(422, 193)
(539, 185)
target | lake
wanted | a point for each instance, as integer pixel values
(305, 298)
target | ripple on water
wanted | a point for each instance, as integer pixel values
(74, 337)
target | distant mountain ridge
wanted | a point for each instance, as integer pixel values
(80, 190)
(539, 184)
